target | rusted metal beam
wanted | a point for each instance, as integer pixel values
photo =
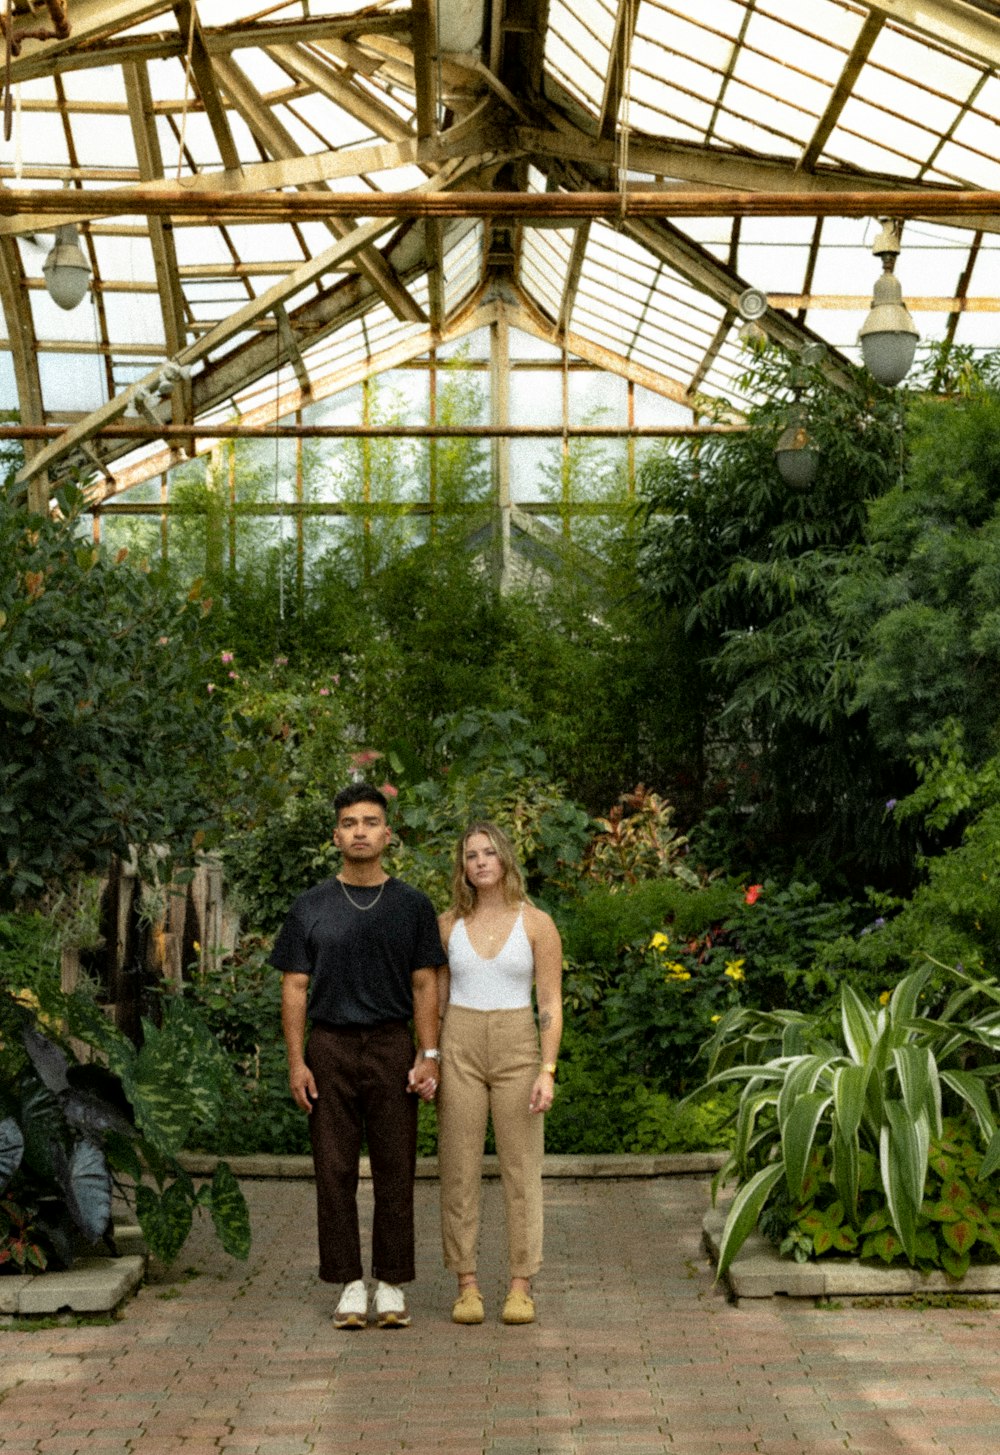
(542, 206)
(136, 429)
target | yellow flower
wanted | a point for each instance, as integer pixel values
(197, 948)
(677, 971)
(660, 942)
(734, 969)
(716, 1018)
(885, 997)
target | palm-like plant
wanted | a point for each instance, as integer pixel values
(879, 1087)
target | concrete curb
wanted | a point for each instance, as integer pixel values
(680, 1164)
(759, 1271)
(95, 1285)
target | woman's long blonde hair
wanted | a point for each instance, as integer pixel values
(463, 895)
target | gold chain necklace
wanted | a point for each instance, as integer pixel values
(363, 907)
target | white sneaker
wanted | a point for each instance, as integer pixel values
(352, 1310)
(390, 1307)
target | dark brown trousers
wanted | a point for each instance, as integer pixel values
(361, 1076)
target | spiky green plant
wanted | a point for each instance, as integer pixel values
(880, 1086)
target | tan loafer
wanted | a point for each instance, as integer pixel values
(468, 1307)
(518, 1308)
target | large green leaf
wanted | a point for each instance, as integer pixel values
(165, 1220)
(41, 1124)
(991, 1161)
(857, 1023)
(746, 1209)
(798, 1135)
(850, 1084)
(904, 1145)
(800, 1078)
(972, 1091)
(919, 1083)
(746, 1117)
(230, 1213)
(846, 1171)
(906, 995)
(86, 1186)
(11, 1150)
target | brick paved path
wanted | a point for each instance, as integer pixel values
(635, 1351)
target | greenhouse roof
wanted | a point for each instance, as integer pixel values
(282, 199)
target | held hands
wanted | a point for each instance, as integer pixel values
(542, 1092)
(423, 1077)
(304, 1092)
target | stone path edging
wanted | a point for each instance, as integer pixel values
(95, 1285)
(759, 1271)
(678, 1164)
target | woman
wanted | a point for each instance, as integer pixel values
(499, 947)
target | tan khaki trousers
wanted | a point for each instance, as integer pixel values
(489, 1062)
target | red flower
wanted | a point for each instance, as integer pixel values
(753, 894)
(389, 790)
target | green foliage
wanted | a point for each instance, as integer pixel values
(958, 1222)
(71, 1131)
(872, 1094)
(240, 1003)
(753, 567)
(109, 736)
(926, 596)
(487, 768)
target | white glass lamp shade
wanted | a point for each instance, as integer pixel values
(66, 270)
(888, 336)
(797, 456)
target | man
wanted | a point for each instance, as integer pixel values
(359, 955)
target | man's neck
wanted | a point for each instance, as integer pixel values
(368, 874)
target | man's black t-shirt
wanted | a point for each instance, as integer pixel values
(360, 961)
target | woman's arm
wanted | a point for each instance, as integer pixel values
(446, 923)
(547, 948)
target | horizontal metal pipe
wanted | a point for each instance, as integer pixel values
(223, 205)
(141, 431)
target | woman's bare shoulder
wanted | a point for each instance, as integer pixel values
(446, 923)
(535, 919)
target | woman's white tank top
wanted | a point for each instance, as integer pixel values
(503, 983)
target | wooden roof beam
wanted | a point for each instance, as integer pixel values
(204, 79)
(337, 86)
(281, 144)
(24, 352)
(839, 96)
(321, 388)
(571, 283)
(618, 64)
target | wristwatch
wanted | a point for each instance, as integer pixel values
(433, 1054)
(550, 1067)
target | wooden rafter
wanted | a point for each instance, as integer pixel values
(281, 144)
(618, 64)
(839, 96)
(21, 338)
(572, 280)
(218, 381)
(147, 146)
(951, 23)
(337, 86)
(321, 388)
(204, 79)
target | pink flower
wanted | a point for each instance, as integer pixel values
(389, 791)
(162, 641)
(281, 661)
(210, 687)
(364, 758)
(753, 894)
(235, 676)
(324, 692)
(335, 679)
(225, 658)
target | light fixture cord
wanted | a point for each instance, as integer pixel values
(187, 91)
(277, 467)
(628, 20)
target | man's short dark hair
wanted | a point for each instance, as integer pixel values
(359, 793)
